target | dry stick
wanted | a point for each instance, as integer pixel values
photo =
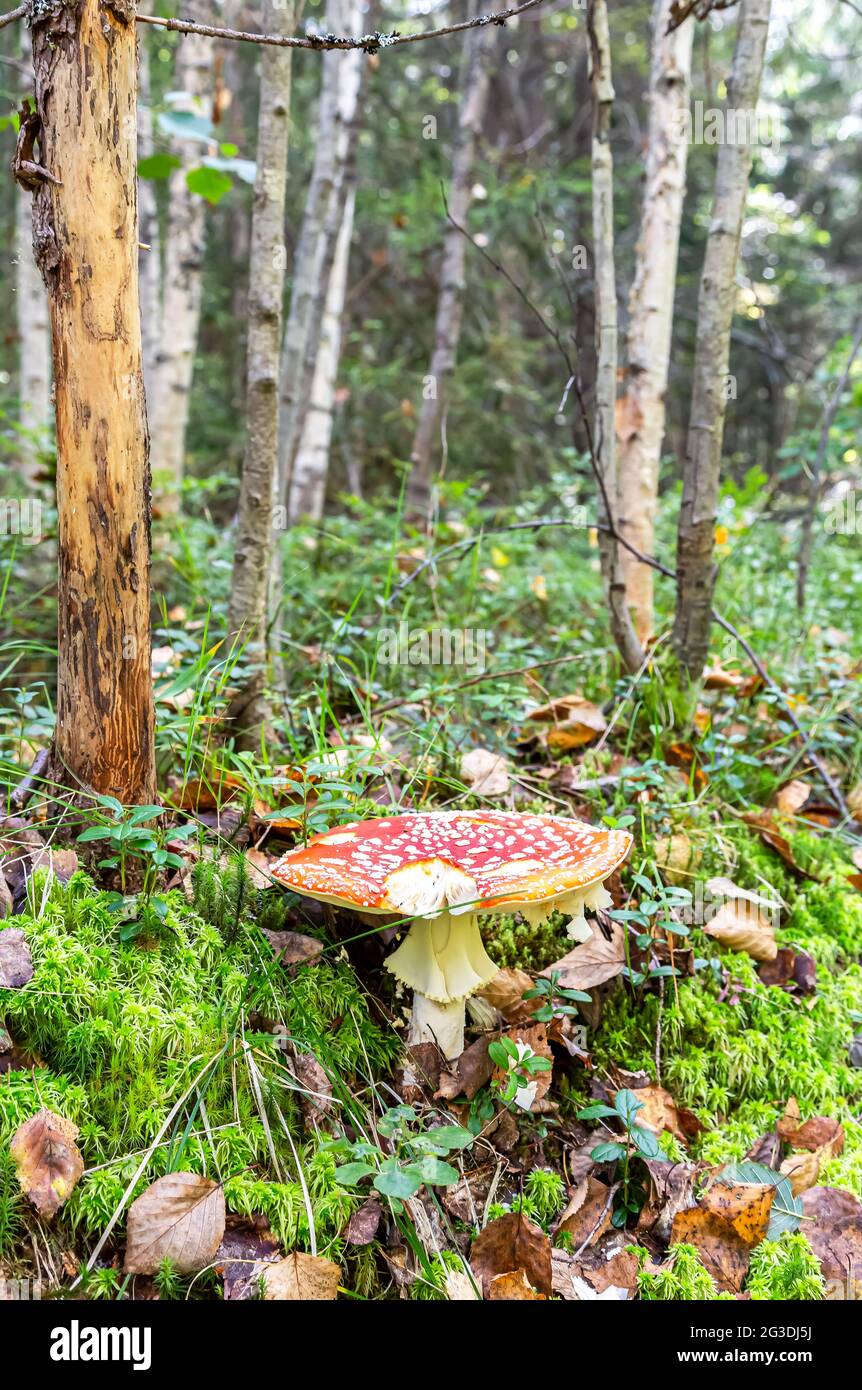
(369, 43)
(826, 777)
(816, 483)
(10, 18)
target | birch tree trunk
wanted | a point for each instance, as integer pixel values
(337, 129)
(475, 82)
(247, 618)
(149, 267)
(641, 409)
(185, 244)
(34, 334)
(604, 436)
(311, 465)
(85, 237)
(716, 299)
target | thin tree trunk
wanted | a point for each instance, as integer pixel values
(185, 244)
(604, 436)
(641, 410)
(447, 325)
(716, 298)
(311, 465)
(253, 550)
(336, 134)
(149, 267)
(806, 541)
(34, 333)
(85, 236)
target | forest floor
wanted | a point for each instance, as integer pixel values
(179, 1033)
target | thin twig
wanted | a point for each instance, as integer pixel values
(12, 16)
(368, 43)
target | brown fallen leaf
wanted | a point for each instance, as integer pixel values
(363, 1224)
(677, 858)
(514, 1287)
(292, 948)
(764, 824)
(470, 1073)
(309, 1278)
(180, 1217)
(671, 1190)
(745, 1206)
(512, 1242)
(793, 970)
(16, 963)
(47, 1159)
(316, 1097)
(740, 926)
(568, 1283)
(240, 1259)
(505, 993)
(484, 772)
(832, 1222)
(854, 801)
(802, 1170)
(610, 1263)
(792, 797)
(716, 678)
(592, 963)
(466, 1198)
(822, 1134)
(534, 1036)
(660, 1113)
(587, 1216)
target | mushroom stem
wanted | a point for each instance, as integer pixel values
(442, 1024)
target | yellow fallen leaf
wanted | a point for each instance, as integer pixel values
(741, 926)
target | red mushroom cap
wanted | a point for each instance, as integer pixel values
(513, 857)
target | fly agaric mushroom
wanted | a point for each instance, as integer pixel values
(442, 868)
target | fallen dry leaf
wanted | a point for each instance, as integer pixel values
(512, 1242)
(466, 1198)
(505, 993)
(180, 1217)
(292, 948)
(741, 926)
(240, 1259)
(592, 963)
(763, 823)
(363, 1224)
(792, 797)
(471, 1070)
(514, 1287)
(47, 1159)
(588, 1213)
(661, 1113)
(802, 1170)
(820, 1134)
(316, 1097)
(16, 964)
(575, 721)
(677, 858)
(309, 1278)
(731, 1219)
(671, 1191)
(485, 773)
(833, 1229)
(745, 1206)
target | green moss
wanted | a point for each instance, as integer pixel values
(785, 1269)
(512, 943)
(127, 1030)
(682, 1279)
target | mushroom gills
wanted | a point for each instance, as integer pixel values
(593, 899)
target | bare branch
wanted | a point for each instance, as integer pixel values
(369, 43)
(12, 16)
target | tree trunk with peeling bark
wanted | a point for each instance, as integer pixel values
(149, 267)
(717, 296)
(185, 245)
(447, 325)
(322, 218)
(85, 238)
(604, 436)
(641, 408)
(34, 332)
(255, 528)
(311, 465)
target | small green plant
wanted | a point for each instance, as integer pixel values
(683, 1278)
(637, 1141)
(548, 989)
(132, 838)
(417, 1158)
(546, 1193)
(521, 1066)
(785, 1269)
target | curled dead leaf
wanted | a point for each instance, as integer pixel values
(48, 1161)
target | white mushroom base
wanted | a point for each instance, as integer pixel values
(442, 1024)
